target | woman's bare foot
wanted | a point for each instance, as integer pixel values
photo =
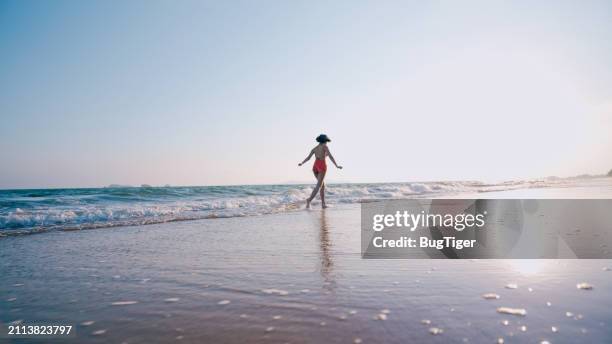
(323, 205)
(308, 204)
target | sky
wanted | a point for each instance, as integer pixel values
(234, 92)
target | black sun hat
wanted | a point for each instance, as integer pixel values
(323, 138)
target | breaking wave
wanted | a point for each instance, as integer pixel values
(30, 211)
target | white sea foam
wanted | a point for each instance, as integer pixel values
(23, 211)
(275, 292)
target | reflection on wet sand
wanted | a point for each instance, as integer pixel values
(327, 264)
(294, 277)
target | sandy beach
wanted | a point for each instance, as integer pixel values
(294, 277)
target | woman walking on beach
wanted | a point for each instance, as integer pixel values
(319, 168)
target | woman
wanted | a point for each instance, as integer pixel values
(320, 168)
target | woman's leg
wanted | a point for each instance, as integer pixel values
(319, 177)
(322, 193)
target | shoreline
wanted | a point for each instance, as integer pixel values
(587, 188)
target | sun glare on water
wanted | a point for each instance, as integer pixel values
(528, 266)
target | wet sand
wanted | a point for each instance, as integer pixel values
(296, 277)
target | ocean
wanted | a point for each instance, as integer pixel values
(39, 210)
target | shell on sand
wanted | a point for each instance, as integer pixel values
(490, 296)
(512, 311)
(124, 303)
(435, 330)
(381, 316)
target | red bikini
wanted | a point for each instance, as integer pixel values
(319, 166)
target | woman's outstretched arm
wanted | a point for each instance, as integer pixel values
(331, 157)
(307, 158)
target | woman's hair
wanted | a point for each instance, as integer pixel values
(322, 138)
